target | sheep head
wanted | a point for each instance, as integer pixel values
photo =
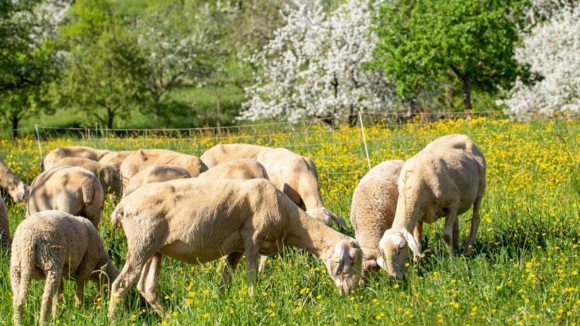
(19, 191)
(345, 264)
(325, 216)
(394, 247)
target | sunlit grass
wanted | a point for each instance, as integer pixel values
(525, 269)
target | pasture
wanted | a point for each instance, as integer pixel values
(524, 271)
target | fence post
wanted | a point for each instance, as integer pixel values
(362, 128)
(38, 138)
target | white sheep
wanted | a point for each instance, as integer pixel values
(144, 158)
(4, 225)
(74, 151)
(51, 245)
(108, 175)
(293, 174)
(155, 173)
(202, 219)
(115, 158)
(374, 202)
(69, 189)
(445, 179)
(241, 169)
(9, 182)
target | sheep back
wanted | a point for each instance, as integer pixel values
(115, 158)
(242, 169)
(74, 151)
(155, 173)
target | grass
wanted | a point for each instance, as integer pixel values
(525, 269)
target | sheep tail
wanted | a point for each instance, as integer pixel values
(87, 190)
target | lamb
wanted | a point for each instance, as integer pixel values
(144, 158)
(69, 189)
(51, 245)
(446, 178)
(202, 219)
(155, 173)
(4, 225)
(74, 151)
(108, 175)
(293, 174)
(241, 169)
(9, 182)
(115, 158)
(373, 209)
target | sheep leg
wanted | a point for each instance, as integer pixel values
(263, 261)
(53, 280)
(252, 258)
(418, 234)
(456, 236)
(231, 264)
(448, 230)
(128, 275)
(474, 226)
(80, 292)
(147, 284)
(20, 283)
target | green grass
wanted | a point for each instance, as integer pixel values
(525, 268)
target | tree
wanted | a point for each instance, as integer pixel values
(315, 66)
(422, 42)
(28, 58)
(551, 49)
(105, 71)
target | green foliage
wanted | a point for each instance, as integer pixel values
(424, 43)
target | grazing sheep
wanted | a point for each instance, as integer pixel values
(69, 189)
(9, 182)
(202, 219)
(144, 158)
(445, 179)
(108, 175)
(155, 173)
(74, 151)
(115, 158)
(241, 169)
(373, 209)
(51, 245)
(293, 174)
(4, 225)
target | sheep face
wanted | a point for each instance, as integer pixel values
(394, 247)
(345, 265)
(19, 191)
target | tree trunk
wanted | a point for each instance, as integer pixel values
(352, 117)
(15, 121)
(467, 93)
(110, 118)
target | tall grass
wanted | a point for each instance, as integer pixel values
(524, 271)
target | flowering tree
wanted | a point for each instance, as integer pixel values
(315, 66)
(551, 49)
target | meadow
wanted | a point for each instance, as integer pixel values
(524, 271)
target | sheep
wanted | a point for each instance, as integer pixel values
(4, 225)
(144, 158)
(293, 174)
(74, 151)
(241, 169)
(155, 173)
(51, 245)
(108, 175)
(115, 158)
(69, 189)
(202, 219)
(9, 182)
(445, 179)
(374, 202)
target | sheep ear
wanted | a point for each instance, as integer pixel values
(336, 218)
(381, 263)
(412, 243)
(339, 262)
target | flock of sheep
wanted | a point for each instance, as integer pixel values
(235, 200)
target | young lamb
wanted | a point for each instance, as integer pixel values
(155, 173)
(144, 158)
(51, 245)
(293, 174)
(202, 219)
(445, 179)
(69, 189)
(373, 209)
(115, 158)
(9, 182)
(108, 175)
(74, 151)
(241, 169)
(4, 225)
